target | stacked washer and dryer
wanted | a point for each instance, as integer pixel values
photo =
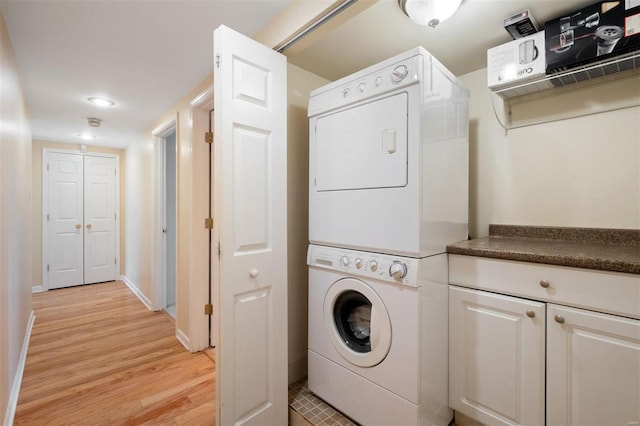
(388, 191)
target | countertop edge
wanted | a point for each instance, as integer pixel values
(593, 263)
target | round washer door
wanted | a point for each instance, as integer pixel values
(357, 322)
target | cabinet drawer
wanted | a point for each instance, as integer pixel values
(610, 292)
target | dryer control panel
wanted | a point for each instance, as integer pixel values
(395, 269)
(371, 84)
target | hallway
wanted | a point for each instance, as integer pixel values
(98, 356)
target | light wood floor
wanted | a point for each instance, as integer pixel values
(98, 356)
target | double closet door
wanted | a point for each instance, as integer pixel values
(80, 219)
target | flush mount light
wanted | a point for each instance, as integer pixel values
(86, 136)
(429, 12)
(103, 102)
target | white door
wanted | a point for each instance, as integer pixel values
(250, 273)
(100, 219)
(64, 220)
(80, 220)
(496, 357)
(593, 368)
(353, 146)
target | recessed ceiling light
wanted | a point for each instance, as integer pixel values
(86, 136)
(103, 102)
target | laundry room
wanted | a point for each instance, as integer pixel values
(416, 212)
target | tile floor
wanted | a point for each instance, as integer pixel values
(313, 409)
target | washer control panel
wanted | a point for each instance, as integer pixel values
(396, 269)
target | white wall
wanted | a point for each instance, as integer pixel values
(581, 172)
(15, 225)
(138, 201)
(299, 84)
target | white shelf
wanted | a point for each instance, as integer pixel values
(579, 80)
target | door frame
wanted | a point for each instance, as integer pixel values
(199, 282)
(158, 240)
(45, 202)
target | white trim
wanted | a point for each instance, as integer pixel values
(199, 288)
(17, 381)
(204, 100)
(45, 203)
(135, 290)
(184, 339)
(158, 240)
(37, 289)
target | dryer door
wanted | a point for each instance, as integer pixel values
(357, 322)
(363, 147)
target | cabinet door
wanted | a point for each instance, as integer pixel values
(496, 357)
(593, 368)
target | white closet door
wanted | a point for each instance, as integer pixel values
(65, 220)
(100, 219)
(250, 189)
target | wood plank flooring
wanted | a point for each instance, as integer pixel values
(98, 356)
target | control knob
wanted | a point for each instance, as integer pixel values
(358, 263)
(398, 270)
(399, 73)
(373, 266)
(344, 261)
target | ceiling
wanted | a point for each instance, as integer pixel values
(460, 43)
(148, 54)
(145, 55)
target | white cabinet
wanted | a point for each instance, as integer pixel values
(593, 368)
(497, 352)
(500, 368)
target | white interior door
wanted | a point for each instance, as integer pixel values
(250, 273)
(100, 219)
(80, 226)
(64, 220)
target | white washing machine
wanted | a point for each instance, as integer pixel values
(389, 145)
(378, 336)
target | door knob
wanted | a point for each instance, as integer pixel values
(89, 226)
(78, 226)
(254, 273)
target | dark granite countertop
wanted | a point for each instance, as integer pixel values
(615, 250)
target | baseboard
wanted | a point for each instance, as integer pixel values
(137, 292)
(37, 289)
(17, 381)
(184, 339)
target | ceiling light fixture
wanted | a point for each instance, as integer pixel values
(429, 12)
(86, 136)
(103, 102)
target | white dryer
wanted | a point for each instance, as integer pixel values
(389, 158)
(378, 336)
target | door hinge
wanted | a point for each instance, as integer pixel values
(217, 60)
(115, 216)
(47, 268)
(47, 217)
(115, 261)
(208, 137)
(208, 309)
(208, 223)
(115, 172)
(219, 249)
(47, 166)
